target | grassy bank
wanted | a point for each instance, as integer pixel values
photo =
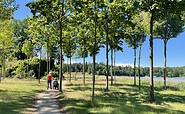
(122, 97)
(17, 95)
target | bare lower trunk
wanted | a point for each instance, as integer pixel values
(39, 65)
(67, 69)
(134, 66)
(151, 60)
(107, 60)
(70, 69)
(28, 67)
(1, 74)
(75, 70)
(139, 62)
(84, 66)
(47, 57)
(94, 58)
(61, 56)
(3, 60)
(49, 63)
(111, 67)
(114, 66)
(165, 42)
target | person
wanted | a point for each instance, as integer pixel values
(49, 77)
(55, 84)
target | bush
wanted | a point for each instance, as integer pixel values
(19, 68)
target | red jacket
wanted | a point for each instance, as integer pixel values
(49, 76)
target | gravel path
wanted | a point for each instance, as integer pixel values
(45, 103)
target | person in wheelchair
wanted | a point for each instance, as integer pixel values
(55, 84)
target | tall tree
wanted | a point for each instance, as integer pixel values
(28, 50)
(169, 27)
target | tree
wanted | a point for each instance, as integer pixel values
(28, 50)
(54, 11)
(168, 28)
(6, 40)
(141, 18)
(7, 9)
(157, 9)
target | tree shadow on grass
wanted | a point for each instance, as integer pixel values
(16, 106)
(129, 103)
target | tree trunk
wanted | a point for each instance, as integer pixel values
(151, 59)
(94, 58)
(139, 62)
(134, 65)
(67, 69)
(61, 56)
(165, 42)
(49, 63)
(28, 66)
(39, 64)
(70, 69)
(111, 66)
(84, 66)
(114, 66)
(47, 57)
(1, 73)
(75, 69)
(3, 60)
(107, 59)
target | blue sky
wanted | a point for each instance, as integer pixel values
(175, 47)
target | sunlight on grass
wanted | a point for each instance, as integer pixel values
(122, 97)
(16, 95)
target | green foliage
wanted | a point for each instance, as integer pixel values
(18, 68)
(27, 48)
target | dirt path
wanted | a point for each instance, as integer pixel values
(45, 103)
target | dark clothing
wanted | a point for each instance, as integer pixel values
(48, 83)
(55, 84)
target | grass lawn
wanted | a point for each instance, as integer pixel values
(122, 97)
(16, 95)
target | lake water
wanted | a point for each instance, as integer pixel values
(176, 79)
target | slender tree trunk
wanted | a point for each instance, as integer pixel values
(40, 64)
(28, 66)
(84, 65)
(70, 69)
(48, 56)
(75, 69)
(61, 56)
(151, 59)
(1, 73)
(139, 62)
(107, 59)
(94, 58)
(3, 60)
(114, 67)
(49, 63)
(134, 65)
(165, 42)
(111, 66)
(67, 69)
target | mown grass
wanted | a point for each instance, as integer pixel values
(122, 97)
(16, 95)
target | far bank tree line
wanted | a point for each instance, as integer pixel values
(124, 70)
(82, 27)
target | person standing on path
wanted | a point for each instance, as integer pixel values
(49, 77)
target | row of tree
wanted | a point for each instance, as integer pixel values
(82, 27)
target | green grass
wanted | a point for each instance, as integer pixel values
(122, 97)
(16, 95)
